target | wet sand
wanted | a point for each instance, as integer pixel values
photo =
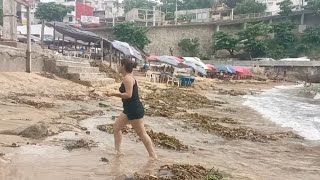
(68, 120)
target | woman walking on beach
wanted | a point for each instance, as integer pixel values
(133, 110)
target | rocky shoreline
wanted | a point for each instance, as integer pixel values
(199, 129)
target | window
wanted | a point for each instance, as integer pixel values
(70, 19)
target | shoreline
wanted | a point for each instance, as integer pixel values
(76, 117)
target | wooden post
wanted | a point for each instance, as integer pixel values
(54, 35)
(111, 54)
(101, 46)
(42, 33)
(62, 44)
(28, 53)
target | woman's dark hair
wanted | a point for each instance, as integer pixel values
(128, 64)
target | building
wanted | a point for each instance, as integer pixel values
(79, 8)
(106, 9)
(145, 17)
(274, 8)
(195, 15)
(22, 13)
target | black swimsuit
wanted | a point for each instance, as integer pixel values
(132, 107)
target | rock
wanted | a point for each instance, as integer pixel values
(87, 132)
(2, 154)
(103, 159)
(35, 131)
(76, 134)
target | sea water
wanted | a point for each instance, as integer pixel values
(286, 106)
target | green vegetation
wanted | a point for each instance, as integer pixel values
(249, 6)
(189, 47)
(51, 11)
(275, 41)
(286, 7)
(128, 32)
(314, 5)
(226, 41)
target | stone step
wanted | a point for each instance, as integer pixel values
(73, 59)
(72, 63)
(98, 82)
(77, 69)
(86, 76)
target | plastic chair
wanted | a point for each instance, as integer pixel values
(172, 80)
(149, 76)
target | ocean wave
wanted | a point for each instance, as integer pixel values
(282, 106)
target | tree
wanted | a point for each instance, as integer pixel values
(311, 36)
(225, 41)
(286, 7)
(249, 6)
(231, 3)
(130, 4)
(189, 46)
(314, 5)
(50, 12)
(284, 42)
(128, 32)
(253, 39)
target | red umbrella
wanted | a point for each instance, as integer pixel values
(242, 70)
(152, 58)
(210, 67)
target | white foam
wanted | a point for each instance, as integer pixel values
(288, 111)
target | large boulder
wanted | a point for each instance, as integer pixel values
(35, 131)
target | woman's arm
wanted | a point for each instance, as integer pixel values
(128, 84)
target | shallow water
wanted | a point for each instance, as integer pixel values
(284, 105)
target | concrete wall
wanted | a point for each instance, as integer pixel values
(164, 37)
(14, 60)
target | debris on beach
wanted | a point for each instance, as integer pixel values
(167, 102)
(82, 114)
(107, 69)
(232, 92)
(205, 119)
(2, 154)
(36, 104)
(166, 141)
(108, 128)
(103, 159)
(48, 75)
(80, 144)
(182, 172)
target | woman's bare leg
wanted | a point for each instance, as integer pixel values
(120, 123)
(138, 126)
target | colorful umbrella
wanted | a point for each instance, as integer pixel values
(226, 68)
(171, 60)
(210, 67)
(152, 58)
(195, 67)
(242, 70)
(196, 61)
(126, 49)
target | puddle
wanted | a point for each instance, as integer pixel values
(38, 162)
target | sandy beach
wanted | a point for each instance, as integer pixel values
(51, 128)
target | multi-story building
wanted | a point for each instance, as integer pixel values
(22, 13)
(108, 8)
(274, 8)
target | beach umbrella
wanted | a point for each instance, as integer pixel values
(195, 67)
(152, 58)
(225, 68)
(126, 49)
(196, 61)
(171, 60)
(210, 67)
(231, 69)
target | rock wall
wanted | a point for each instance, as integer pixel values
(164, 37)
